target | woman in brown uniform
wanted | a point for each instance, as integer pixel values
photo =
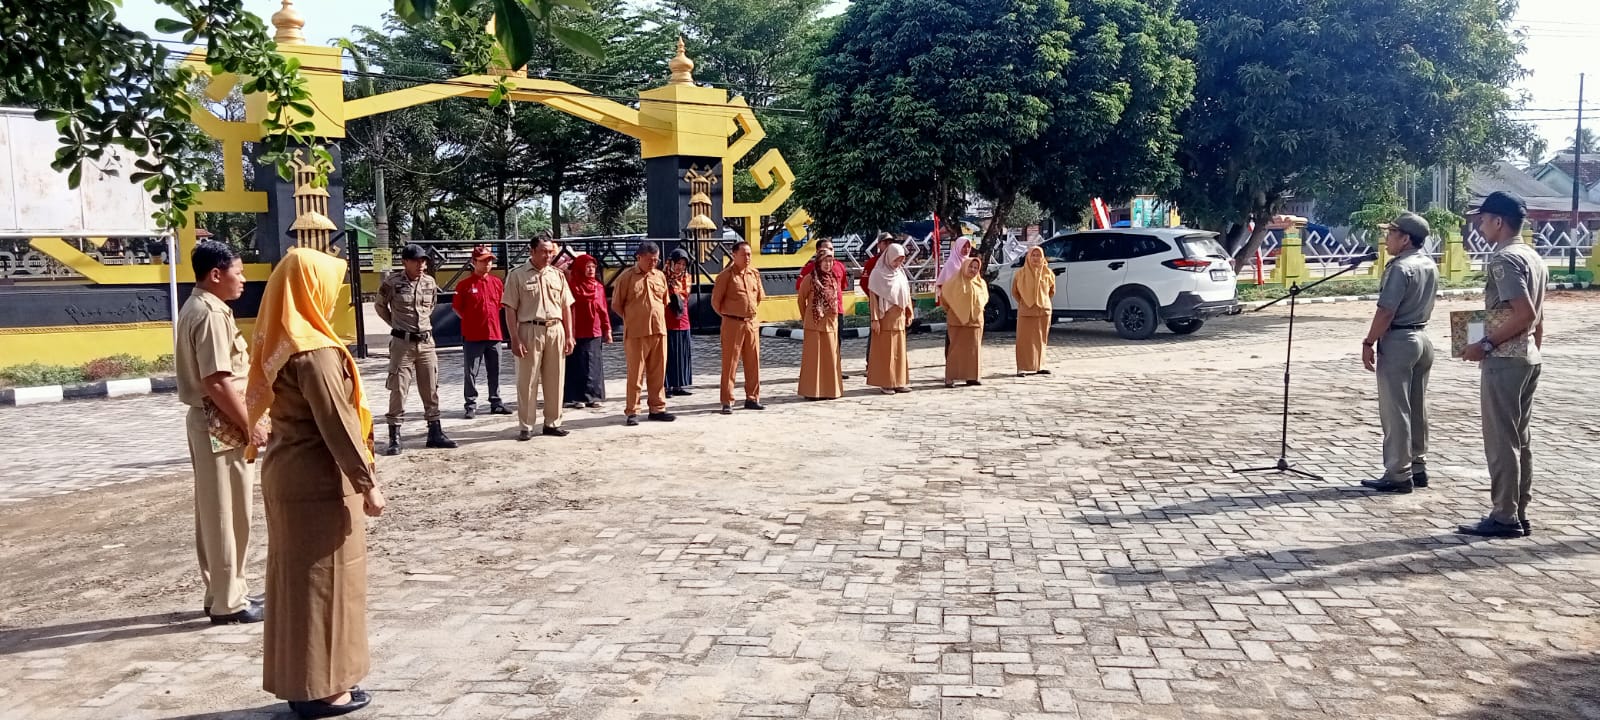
(820, 377)
(963, 299)
(888, 368)
(317, 481)
(1034, 287)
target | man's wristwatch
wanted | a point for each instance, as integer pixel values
(1487, 345)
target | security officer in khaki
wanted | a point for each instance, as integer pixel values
(736, 297)
(1510, 358)
(213, 364)
(1398, 349)
(405, 302)
(538, 309)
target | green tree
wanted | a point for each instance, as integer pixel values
(1584, 141)
(519, 24)
(1304, 98)
(1535, 151)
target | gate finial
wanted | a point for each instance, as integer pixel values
(682, 67)
(290, 24)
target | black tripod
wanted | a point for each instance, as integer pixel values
(1283, 466)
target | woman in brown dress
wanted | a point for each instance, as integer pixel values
(821, 377)
(888, 368)
(964, 298)
(1034, 287)
(317, 482)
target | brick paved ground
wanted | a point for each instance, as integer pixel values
(1067, 547)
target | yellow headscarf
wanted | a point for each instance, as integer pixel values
(295, 318)
(965, 297)
(1034, 285)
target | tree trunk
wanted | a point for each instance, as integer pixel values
(556, 180)
(994, 235)
(1261, 213)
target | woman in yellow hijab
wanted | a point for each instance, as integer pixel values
(1034, 287)
(964, 298)
(317, 481)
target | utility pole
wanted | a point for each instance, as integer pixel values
(1577, 185)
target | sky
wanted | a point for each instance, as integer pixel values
(1561, 39)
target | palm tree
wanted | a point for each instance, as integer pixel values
(1584, 142)
(1535, 151)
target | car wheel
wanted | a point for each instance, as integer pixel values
(1135, 317)
(997, 314)
(1186, 326)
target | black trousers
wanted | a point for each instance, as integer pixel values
(489, 352)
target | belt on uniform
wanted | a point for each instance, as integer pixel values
(736, 317)
(542, 323)
(1408, 327)
(413, 337)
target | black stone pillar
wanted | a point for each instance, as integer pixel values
(273, 238)
(667, 194)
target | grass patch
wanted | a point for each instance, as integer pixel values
(115, 367)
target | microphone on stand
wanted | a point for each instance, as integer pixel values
(1352, 262)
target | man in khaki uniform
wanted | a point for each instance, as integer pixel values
(736, 297)
(405, 302)
(212, 365)
(1398, 350)
(639, 295)
(538, 309)
(1511, 359)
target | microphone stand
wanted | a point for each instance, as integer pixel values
(1283, 465)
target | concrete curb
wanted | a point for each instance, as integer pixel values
(773, 331)
(1459, 292)
(87, 391)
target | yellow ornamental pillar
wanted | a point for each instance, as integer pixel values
(1382, 263)
(1527, 233)
(1291, 266)
(1457, 266)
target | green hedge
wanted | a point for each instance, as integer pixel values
(115, 367)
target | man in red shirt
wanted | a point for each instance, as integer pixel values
(477, 301)
(825, 257)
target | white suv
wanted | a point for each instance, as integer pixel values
(1132, 277)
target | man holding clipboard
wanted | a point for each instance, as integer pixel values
(1510, 360)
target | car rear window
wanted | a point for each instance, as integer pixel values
(1202, 246)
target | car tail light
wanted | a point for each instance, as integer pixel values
(1189, 264)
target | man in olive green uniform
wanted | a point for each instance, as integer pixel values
(212, 363)
(1510, 360)
(405, 302)
(1398, 349)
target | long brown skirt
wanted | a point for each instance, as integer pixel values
(315, 639)
(820, 373)
(961, 360)
(1033, 334)
(887, 366)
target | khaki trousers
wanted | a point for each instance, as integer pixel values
(545, 362)
(224, 485)
(1405, 358)
(1507, 407)
(405, 358)
(741, 342)
(647, 363)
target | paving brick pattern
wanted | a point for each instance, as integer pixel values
(1063, 547)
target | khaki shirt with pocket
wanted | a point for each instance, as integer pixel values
(641, 299)
(534, 294)
(209, 342)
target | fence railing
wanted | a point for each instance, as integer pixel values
(1327, 250)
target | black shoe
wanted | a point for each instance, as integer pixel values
(436, 438)
(754, 405)
(727, 410)
(1492, 528)
(471, 412)
(972, 383)
(844, 377)
(591, 405)
(252, 613)
(631, 421)
(1385, 485)
(1042, 372)
(555, 431)
(1022, 374)
(311, 709)
(661, 417)
(524, 435)
(684, 392)
(393, 448)
(498, 409)
(257, 599)
(1419, 478)
(1527, 527)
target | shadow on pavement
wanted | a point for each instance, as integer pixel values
(95, 631)
(1567, 686)
(275, 711)
(1227, 503)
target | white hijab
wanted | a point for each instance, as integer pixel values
(889, 283)
(952, 265)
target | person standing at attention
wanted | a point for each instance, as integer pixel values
(477, 302)
(825, 259)
(317, 481)
(591, 326)
(405, 302)
(867, 268)
(965, 296)
(213, 362)
(1034, 287)
(1515, 285)
(680, 342)
(640, 299)
(888, 367)
(737, 297)
(1398, 350)
(539, 306)
(821, 297)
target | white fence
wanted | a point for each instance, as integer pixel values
(1326, 251)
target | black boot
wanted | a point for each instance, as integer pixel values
(394, 441)
(436, 438)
